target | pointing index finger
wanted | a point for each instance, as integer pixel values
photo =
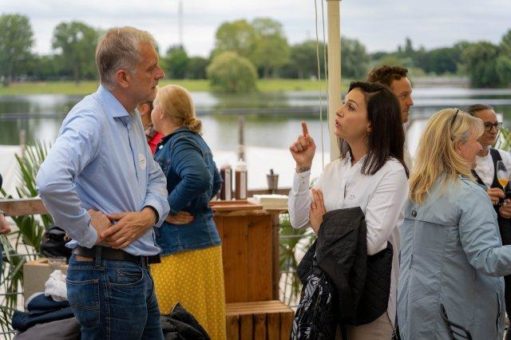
(305, 129)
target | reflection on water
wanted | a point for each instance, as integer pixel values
(41, 115)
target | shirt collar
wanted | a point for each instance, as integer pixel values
(347, 161)
(114, 106)
(165, 139)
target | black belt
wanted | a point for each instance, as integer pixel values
(114, 255)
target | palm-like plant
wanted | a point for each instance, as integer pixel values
(504, 141)
(24, 243)
(293, 244)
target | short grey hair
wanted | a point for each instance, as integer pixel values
(120, 48)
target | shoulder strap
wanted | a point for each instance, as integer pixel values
(478, 179)
(495, 156)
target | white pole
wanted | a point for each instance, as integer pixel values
(334, 71)
(180, 23)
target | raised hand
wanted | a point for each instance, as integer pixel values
(303, 149)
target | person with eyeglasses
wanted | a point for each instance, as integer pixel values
(485, 168)
(452, 257)
(485, 172)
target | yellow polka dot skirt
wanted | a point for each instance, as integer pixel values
(196, 280)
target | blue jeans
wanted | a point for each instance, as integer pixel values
(113, 300)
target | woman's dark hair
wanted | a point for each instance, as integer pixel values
(387, 137)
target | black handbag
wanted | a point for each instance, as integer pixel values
(54, 242)
(316, 315)
(180, 324)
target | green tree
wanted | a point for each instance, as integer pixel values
(480, 60)
(16, 40)
(503, 67)
(303, 60)
(393, 59)
(197, 68)
(505, 43)
(354, 60)
(271, 48)
(44, 67)
(76, 43)
(176, 62)
(238, 36)
(231, 73)
(408, 50)
(439, 60)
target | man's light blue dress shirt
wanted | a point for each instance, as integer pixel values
(101, 161)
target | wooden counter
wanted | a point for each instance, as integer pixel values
(250, 250)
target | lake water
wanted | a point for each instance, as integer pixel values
(272, 121)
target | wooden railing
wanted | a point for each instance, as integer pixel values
(34, 206)
(22, 206)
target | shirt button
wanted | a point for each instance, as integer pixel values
(414, 213)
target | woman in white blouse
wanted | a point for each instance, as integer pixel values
(370, 174)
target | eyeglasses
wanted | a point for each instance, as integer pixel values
(488, 126)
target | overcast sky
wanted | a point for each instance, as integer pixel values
(378, 24)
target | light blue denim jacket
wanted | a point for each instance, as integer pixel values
(192, 180)
(452, 255)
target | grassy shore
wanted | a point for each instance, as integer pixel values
(85, 87)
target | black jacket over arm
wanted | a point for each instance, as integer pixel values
(337, 264)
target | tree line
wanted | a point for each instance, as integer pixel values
(245, 51)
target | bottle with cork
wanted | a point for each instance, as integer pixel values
(240, 193)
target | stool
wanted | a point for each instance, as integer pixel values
(259, 320)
